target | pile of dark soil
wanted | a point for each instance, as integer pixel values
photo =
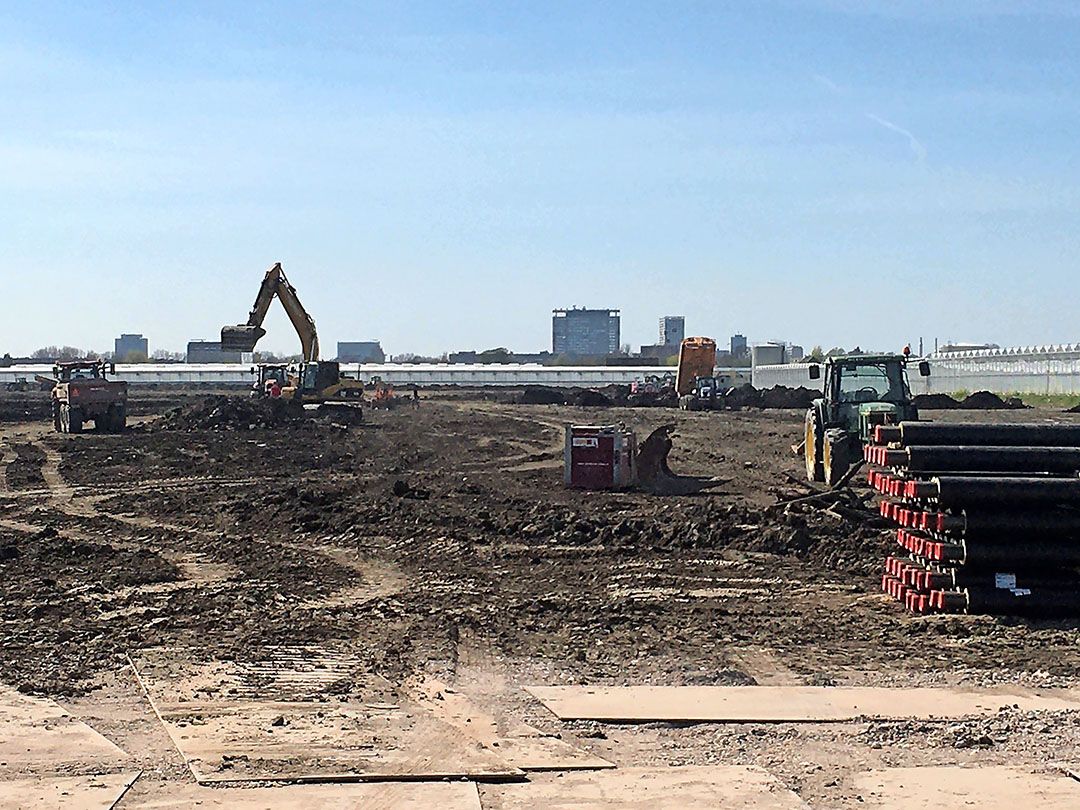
(232, 413)
(540, 395)
(587, 398)
(935, 402)
(781, 396)
(617, 394)
(1074, 409)
(986, 401)
(661, 399)
(743, 396)
(979, 401)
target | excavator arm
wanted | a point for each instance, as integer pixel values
(243, 337)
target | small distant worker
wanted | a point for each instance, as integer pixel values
(415, 396)
(275, 389)
(907, 350)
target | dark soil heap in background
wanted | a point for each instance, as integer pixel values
(979, 401)
(232, 413)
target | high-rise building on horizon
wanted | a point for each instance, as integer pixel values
(135, 346)
(738, 346)
(360, 351)
(585, 332)
(672, 330)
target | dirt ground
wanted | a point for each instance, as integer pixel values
(485, 572)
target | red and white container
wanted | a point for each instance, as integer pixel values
(599, 457)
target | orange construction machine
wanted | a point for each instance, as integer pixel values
(697, 358)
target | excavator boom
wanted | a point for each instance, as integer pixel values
(243, 337)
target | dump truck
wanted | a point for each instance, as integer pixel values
(83, 393)
(312, 379)
(861, 391)
(697, 358)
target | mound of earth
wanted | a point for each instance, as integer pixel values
(936, 402)
(659, 399)
(781, 396)
(588, 398)
(541, 395)
(1074, 409)
(743, 396)
(617, 393)
(232, 413)
(987, 401)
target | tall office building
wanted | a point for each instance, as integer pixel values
(127, 346)
(360, 351)
(672, 330)
(585, 332)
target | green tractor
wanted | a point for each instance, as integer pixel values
(860, 392)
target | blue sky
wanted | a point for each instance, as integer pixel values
(440, 175)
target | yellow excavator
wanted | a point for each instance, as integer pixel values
(312, 379)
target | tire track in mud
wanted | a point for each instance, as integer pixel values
(9, 457)
(522, 462)
(376, 578)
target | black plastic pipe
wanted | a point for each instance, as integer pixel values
(952, 433)
(951, 491)
(994, 458)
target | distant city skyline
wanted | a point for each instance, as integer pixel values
(821, 171)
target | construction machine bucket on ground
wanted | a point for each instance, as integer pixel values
(656, 477)
(240, 338)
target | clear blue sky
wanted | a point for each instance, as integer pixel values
(440, 175)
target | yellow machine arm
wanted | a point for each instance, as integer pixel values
(243, 337)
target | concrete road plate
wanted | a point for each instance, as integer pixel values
(99, 792)
(39, 736)
(786, 704)
(382, 796)
(986, 788)
(280, 721)
(687, 788)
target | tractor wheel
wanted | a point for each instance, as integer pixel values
(75, 421)
(117, 418)
(835, 456)
(813, 450)
(56, 416)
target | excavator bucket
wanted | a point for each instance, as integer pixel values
(653, 472)
(240, 338)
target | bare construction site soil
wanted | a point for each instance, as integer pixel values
(482, 570)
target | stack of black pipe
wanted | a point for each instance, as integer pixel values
(989, 516)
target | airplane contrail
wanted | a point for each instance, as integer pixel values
(913, 142)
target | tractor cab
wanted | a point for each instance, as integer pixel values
(83, 370)
(860, 392)
(264, 373)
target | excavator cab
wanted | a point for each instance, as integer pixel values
(319, 376)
